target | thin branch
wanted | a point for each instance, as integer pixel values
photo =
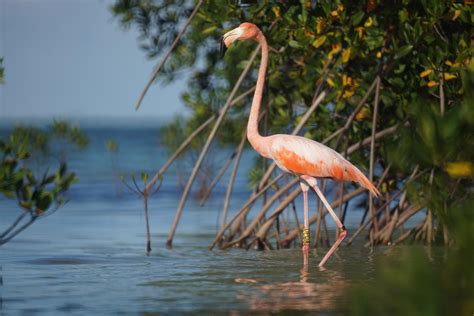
(404, 196)
(156, 189)
(441, 95)
(429, 220)
(136, 185)
(297, 221)
(147, 223)
(403, 217)
(178, 151)
(405, 236)
(190, 138)
(377, 213)
(242, 210)
(204, 150)
(412, 177)
(280, 208)
(336, 133)
(372, 153)
(14, 224)
(131, 188)
(217, 178)
(233, 173)
(385, 132)
(168, 54)
(260, 215)
(440, 33)
(19, 230)
(391, 228)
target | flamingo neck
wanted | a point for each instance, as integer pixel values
(256, 140)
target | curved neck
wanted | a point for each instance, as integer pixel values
(254, 137)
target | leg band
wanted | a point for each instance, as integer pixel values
(306, 236)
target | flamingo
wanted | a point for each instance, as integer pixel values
(303, 157)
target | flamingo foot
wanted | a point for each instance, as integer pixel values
(334, 247)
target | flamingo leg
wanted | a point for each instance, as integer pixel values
(343, 232)
(305, 236)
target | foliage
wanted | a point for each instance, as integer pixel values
(413, 285)
(56, 141)
(61, 130)
(33, 194)
(66, 138)
(25, 173)
(439, 143)
(419, 49)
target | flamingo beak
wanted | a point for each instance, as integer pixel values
(229, 38)
(223, 48)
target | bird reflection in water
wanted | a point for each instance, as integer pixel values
(304, 294)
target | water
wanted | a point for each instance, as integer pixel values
(89, 257)
(78, 262)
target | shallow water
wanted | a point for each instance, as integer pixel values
(87, 262)
(89, 257)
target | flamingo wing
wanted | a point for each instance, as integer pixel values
(304, 156)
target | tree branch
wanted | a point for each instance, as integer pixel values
(168, 54)
(204, 150)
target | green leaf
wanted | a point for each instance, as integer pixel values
(26, 193)
(280, 100)
(400, 69)
(403, 51)
(44, 202)
(294, 44)
(357, 18)
(209, 30)
(403, 15)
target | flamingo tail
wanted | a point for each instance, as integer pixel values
(357, 176)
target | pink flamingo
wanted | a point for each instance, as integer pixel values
(303, 157)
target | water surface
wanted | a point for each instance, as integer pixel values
(89, 257)
(80, 263)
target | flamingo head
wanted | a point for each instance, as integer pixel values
(244, 31)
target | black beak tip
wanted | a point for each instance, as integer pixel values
(223, 48)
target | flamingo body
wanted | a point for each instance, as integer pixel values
(303, 156)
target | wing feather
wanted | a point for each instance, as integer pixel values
(303, 156)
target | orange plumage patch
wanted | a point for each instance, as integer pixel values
(337, 172)
(296, 163)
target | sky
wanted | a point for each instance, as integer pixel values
(71, 59)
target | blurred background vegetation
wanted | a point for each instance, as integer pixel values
(423, 281)
(34, 172)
